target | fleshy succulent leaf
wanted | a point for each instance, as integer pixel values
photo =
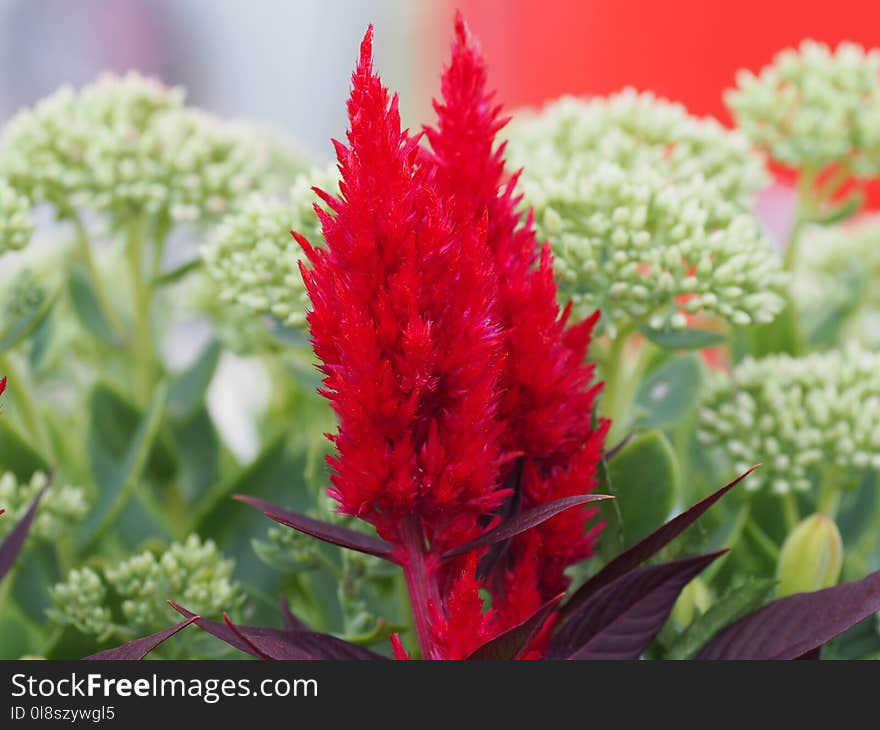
(651, 545)
(621, 620)
(139, 648)
(335, 534)
(524, 521)
(14, 542)
(797, 625)
(511, 643)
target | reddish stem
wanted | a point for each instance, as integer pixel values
(422, 590)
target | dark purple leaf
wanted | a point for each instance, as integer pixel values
(265, 642)
(139, 648)
(524, 521)
(622, 619)
(335, 534)
(507, 510)
(291, 622)
(221, 631)
(512, 643)
(650, 546)
(280, 644)
(14, 541)
(797, 625)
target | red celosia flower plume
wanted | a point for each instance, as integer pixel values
(546, 398)
(460, 392)
(404, 321)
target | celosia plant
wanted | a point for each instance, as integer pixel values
(473, 482)
(451, 287)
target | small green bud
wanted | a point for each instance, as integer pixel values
(693, 601)
(811, 557)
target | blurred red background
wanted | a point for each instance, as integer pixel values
(687, 50)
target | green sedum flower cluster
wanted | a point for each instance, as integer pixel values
(193, 572)
(125, 146)
(16, 226)
(801, 418)
(60, 507)
(814, 107)
(836, 275)
(646, 208)
(253, 258)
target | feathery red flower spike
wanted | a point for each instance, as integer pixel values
(459, 388)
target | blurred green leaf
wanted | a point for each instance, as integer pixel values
(689, 339)
(732, 606)
(669, 393)
(88, 309)
(117, 478)
(645, 480)
(17, 455)
(198, 447)
(175, 275)
(849, 206)
(23, 327)
(17, 635)
(188, 388)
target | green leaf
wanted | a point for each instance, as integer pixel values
(23, 327)
(734, 605)
(17, 455)
(188, 388)
(113, 423)
(175, 275)
(669, 394)
(117, 478)
(275, 475)
(850, 205)
(645, 479)
(198, 447)
(17, 636)
(88, 309)
(690, 339)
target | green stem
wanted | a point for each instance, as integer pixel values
(805, 208)
(829, 500)
(142, 335)
(85, 254)
(621, 372)
(25, 404)
(762, 540)
(790, 510)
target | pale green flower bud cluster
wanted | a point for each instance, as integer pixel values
(127, 145)
(813, 107)
(646, 210)
(25, 294)
(16, 226)
(800, 418)
(288, 551)
(79, 601)
(194, 573)
(60, 508)
(253, 258)
(837, 271)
